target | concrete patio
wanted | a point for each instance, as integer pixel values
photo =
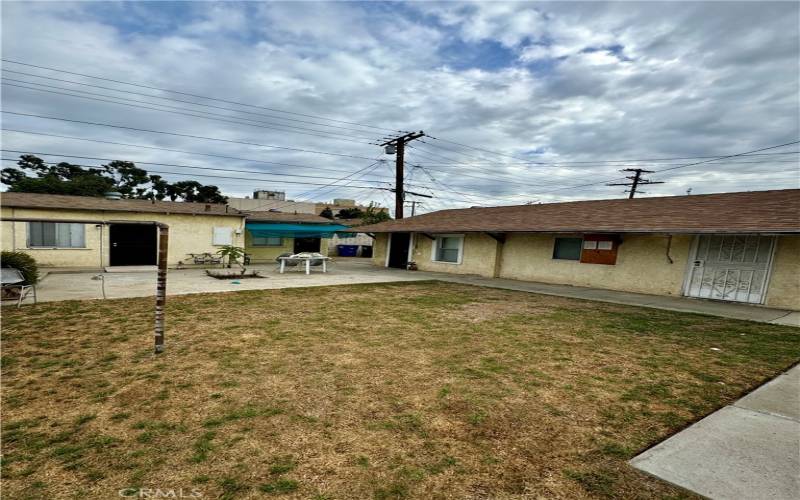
(750, 449)
(58, 285)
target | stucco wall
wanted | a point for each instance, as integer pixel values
(642, 265)
(478, 258)
(187, 233)
(784, 283)
(379, 249)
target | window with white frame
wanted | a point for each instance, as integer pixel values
(448, 249)
(56, 235)
(267, 241)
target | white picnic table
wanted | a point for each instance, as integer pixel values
(307, 259)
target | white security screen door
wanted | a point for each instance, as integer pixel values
(731, 267)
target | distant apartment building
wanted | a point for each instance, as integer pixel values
(267, 200)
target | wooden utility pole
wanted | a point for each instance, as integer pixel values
(161, 286)
(399, 148)
(636, 180)
(414, 204)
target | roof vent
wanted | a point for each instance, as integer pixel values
(113, 195)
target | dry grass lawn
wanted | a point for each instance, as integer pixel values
(408, 390)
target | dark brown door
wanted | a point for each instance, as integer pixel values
(306, 245)
(133, 244)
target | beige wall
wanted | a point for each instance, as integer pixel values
(187, 233)
(379, 249)
(268, 254)
(642, 264)
(478, 258)
(784, 284)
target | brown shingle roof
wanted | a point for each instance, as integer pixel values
(58, 201)
(755, 211)
(287, 217)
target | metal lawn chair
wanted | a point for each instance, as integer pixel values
(213, 258)
(12, 279)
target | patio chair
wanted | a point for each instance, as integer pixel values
(198, 258)
(12, 279)
(213, 258)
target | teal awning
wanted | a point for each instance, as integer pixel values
(277, 230)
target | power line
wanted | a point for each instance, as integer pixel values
(212, 176)
(172, 165)
(194, 95)
(682, 166)
(175, 150)
(528, 162)
(636, 180)
(183, 135)
(172, 99)
(195, 115)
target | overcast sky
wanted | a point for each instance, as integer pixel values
(565, 87)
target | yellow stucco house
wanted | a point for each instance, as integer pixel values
(81, 232)
(95, 233)
(738, 247)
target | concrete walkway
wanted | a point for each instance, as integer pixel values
(681, 304)
(80, 285)
(750, 449)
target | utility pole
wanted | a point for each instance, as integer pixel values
(636, 180)
(397, 145)
(414, 204)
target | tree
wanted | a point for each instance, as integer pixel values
(350, 213)
(374, 215)
(121, 176)
(327, 213)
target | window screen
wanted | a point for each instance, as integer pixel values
(447, 248)
(267, 241)
(568, 248)
(56, 235)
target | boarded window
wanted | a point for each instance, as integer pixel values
(222, 236)
(267, 241)
(56, 235)
(600, 249)
(567, 248)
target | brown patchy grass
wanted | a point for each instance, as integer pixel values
(411, 390)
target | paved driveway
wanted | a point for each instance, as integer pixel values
(82, 285)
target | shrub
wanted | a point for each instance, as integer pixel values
(22, 261)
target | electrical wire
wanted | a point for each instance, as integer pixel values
(183, 135)
(175, 150)
(171, 99)
(194, 95)
(195, 114)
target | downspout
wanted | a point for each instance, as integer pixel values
(669, 247)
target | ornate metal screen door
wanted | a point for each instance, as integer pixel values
(731, 267)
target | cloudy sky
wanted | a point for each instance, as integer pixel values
(522, 101)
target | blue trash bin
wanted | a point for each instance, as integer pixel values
(347, 250)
